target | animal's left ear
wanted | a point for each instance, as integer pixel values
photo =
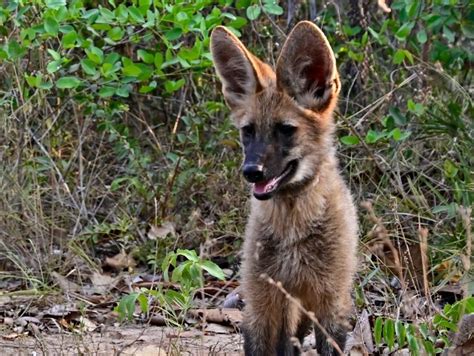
(306, 68)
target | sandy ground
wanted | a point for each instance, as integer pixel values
(125, 340)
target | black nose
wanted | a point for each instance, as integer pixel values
(253, 172)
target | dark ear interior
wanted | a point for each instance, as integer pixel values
(235, 66)
(306, 68)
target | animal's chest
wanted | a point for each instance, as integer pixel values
(295, 261)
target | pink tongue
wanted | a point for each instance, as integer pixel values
(261, 187)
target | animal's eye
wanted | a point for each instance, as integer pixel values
(248, 130)
(286, 129)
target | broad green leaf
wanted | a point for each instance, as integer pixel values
(68, 82)
(399, 56)
(421, 36)
(350, 140)
(253, 12)
(53, 66)
(404, 31)
(273, 9)
(213, 269)
(143, 302)
(135, 14)
(401, 333)
(378, 330)
(413, 345)
(373, 136)
(106, 92)
(55, 4)
(173, 85)
(450, 169)
(88, 66)
(69, 39)
(173, 34)
(396, 134)
(389, 333)
(56, 56)
(146, 56)
(95, 54)
(51, 26)
(416, 108)
(115, 34)
(123, 91)
(189, 254)
(15, 50)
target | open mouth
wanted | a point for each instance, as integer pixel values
(264, 189)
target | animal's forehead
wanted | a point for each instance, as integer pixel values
(267, 108)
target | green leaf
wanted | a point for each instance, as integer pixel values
(95, 54)
(56, 56)
(273, 9)
(350, 140)
(173, 34)
(145, 56)
(378, 330)
(253, 12)
(404, 31)
(173, 85)
(131, 70)
(389, 333)
(189, 254)
(143, 302)
(55, 4)
(126, 306)
(88, 66)
(68, 83)
(69, 39)
(51, 26)
(416, 108)
(401, 333)
(448, 34)
(123, 91)
(15, 51)
(450, 169)
(399, 56)
(421, 36)
(53, 66)
(106, 92)
(213, 269)
(413, 344)
(373, 136)
(135, 14)
(115, 34)
(33, 81)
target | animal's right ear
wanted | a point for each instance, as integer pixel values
(241, 73)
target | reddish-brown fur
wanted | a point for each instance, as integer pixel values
(305, 236)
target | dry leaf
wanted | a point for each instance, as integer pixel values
(103, 283)
(166, 228)
(87, 324)
(360, 342)
(66, 285)
(221, 316)
(219, 329)
(120, 261)
(13, 336)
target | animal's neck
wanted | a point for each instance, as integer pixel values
(291, 217)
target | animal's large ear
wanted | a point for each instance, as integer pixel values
(306, 68)
(241, 73)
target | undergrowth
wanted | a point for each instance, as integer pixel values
(113, 127)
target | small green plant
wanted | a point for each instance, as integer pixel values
(423, 336)
(187, 277)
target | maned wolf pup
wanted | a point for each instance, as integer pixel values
(302, 230)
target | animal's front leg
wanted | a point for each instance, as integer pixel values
(269, 323)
